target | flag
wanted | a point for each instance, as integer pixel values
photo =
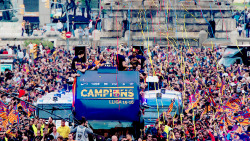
(239, 129)
(193, 105)
(221, 123)
(21, 93)
(23, 105)
(246, 115)
(207, 109)
(74, 92)
(222, 88)
(170, 108)
(238, 71)
(235, 100)
(26, 68)
(3, 110)
(211, 100)
(14, 115)
(5, 123)
(243, 121)
(31, 110)
(219, 111)
(243, 100)
(227, 121)
(57, 78)
(10, 133)
(232, 105)
(196, 95)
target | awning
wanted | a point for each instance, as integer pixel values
(32, 19)
(75, 18)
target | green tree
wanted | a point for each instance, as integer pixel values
(38, 41)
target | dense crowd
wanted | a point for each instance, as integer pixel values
(215, 98)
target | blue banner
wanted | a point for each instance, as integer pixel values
(103, 96)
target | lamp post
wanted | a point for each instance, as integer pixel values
(244, 11)
(67, 40)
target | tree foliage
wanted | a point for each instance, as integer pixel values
(38, 41)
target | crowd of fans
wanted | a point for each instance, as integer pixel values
(215, 99)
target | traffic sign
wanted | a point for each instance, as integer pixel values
(68, 34)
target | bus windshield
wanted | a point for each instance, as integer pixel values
(152, 86)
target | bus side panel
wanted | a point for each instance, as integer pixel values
(247, 59)
(108, 96)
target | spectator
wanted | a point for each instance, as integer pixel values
(2, 136)
(59, 26)
(120, 61)
(38, 136)
(51, 123)
(28, 28)
(5, 51)
(81, 33)
(239, 28)
(79, 58)
(73, 28)
(63, 130)
(114, 138)
(71, 137)
(134, 61)
(86, 32)
(98, 23)
(149, 137)
(247, 29)
(54, 133)
(82, 131)
(47, 136)
(52, 28)
(23, 26)
(14, 47)
(10, 51)
(60, 138)
(31, 46)
(90, 26)
(44, 29)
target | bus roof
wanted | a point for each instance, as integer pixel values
(239, 46)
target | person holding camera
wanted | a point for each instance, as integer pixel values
(82, 131)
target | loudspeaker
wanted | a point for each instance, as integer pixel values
(81, 48)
